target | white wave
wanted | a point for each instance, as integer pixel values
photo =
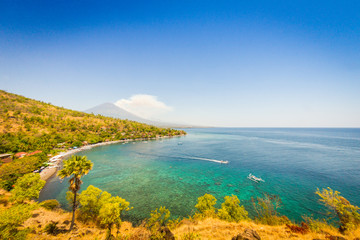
(206, 159)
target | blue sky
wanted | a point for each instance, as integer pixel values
(218, 63)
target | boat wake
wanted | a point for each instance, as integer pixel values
(207, 159)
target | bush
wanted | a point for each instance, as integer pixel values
(91, 200)
(11, 218)
(50, 204)
(52, 228)
(190, 236)
(348, 215)
(316, 225)
(205, 205)
(158, 219)
(231, 210)
(27, 188)
(266, 209)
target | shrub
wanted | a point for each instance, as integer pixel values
(266, 209)
(91, 201)
(316, 225)
(231, 210)
(348, 215)
(50, 204)
(11, 218)
(158, 219)
(52, 228)
(27, 187)
(303, 229)
(205, 205)
(190, 236)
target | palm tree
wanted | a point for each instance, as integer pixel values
(75, 167)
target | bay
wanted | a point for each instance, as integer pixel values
(174, 172)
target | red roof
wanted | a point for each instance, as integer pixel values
(33, 153)
(19, 154)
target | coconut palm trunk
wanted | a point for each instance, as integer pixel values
(76, 166)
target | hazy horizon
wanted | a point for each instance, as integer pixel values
(206, 63)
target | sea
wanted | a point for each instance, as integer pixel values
(175, 172)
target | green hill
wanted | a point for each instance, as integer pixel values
(29, 125)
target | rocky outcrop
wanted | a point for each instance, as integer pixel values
(248, 234)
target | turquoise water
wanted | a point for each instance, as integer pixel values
(169, 172)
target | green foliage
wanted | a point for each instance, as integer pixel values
(52, 228)
(205, 205)
(101, 207)
(27, 188)
(12, 218)
(348, 214)
(158, 219)
(10, 172)
(34, 125)
(190, 236)
(75, 167)
(231, 210)
(316, 225)
(266, 208)
(91, 201)
(50, 204)
(173, 223)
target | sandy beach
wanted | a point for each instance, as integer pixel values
(55, 161)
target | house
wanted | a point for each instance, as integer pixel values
(5, 158)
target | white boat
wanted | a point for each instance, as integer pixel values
(224, 162)
(255, 179)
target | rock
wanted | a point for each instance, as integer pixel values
(168, 234)
(248, 234)
(88, 231)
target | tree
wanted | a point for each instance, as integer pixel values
(348, 214)
(266, 209)
(206, 204)
(27, 187)
(231, 210)
(91, 201)
(157, 222)
(75, 167)
(110, 212)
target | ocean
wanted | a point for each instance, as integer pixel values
(174, 172)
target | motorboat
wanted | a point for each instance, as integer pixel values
(255, 179)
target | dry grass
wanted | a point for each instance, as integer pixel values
(217, 229)
(207, 229)
(41, 217)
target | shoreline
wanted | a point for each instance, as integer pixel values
(48, 172)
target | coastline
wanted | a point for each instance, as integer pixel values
(55, 161)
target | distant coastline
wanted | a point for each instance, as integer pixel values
(48, 172)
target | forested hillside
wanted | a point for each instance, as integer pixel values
(29, 125)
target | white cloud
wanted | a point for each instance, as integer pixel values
(144, 105)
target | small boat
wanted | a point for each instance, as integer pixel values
(180, 143)
(255, 179)
(224, 162)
